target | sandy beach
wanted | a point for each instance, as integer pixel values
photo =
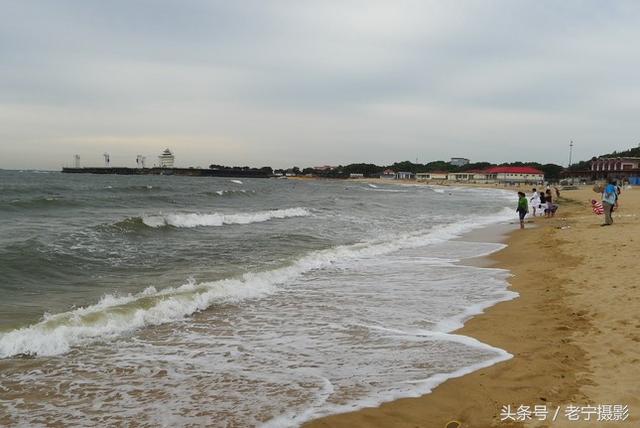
(574, 331)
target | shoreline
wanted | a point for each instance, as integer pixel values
(550, 336)
(495, 233)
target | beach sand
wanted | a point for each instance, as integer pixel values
(574, 331)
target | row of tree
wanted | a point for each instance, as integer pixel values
(551, 171)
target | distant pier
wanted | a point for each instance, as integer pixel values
(189, 172)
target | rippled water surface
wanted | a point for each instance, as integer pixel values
(178, 301)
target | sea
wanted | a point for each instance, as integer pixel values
(198, 301)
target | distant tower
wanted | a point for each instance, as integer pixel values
(107, 160)
(570, 152)
(140, 161)
(76, 161)
(166, 159)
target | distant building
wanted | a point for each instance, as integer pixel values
(388, 174)
(356, 175)
(615, 164)
(434, 175)
(324, 168)
(514, 174)
(459, 161)
(403, 175)
(460, 176)
(166, 159)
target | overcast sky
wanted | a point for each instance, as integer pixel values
(308, 83)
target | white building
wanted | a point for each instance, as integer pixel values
(166, 159)
(428, 176)
(460, 176)
(404, 175)
(514, 174)
(459, 161)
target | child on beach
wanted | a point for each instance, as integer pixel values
(597, 207)
(523, 208)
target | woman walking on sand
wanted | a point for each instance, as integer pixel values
(523, 208)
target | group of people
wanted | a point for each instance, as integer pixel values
(541, 202)
(544, 202)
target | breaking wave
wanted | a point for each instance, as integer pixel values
(242, 192)
(217, 219)
(113, 316)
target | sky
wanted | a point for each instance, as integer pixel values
(309, 83)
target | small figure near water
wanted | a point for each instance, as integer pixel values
(523, 208)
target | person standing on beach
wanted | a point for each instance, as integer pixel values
(535, 201)
(523, 208)
(609, 199)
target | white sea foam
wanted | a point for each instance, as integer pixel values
(232, 192)
(236, 181)
(218, 219)
(116, 315)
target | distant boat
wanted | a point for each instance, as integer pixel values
(236, 181)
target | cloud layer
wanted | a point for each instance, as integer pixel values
(292, 82)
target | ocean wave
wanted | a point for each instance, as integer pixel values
(113, 316)
(133, 188)
(189, 220)
(242, 192)
(52, 201)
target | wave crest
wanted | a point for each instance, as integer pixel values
(189, 220)
(114, 315)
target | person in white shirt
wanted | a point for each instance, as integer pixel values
(534, 201)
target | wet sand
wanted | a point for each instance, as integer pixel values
(574, 331)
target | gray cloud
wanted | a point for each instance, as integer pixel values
(291, 82)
